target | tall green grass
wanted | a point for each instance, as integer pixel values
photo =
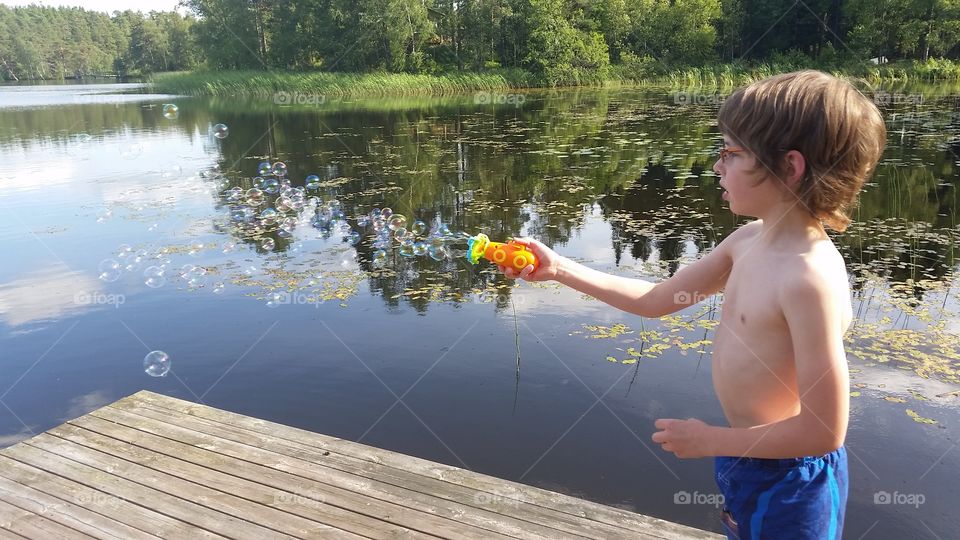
(738, 74)
(638, 71)
(344, 85)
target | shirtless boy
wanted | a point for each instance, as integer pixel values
(797, 149)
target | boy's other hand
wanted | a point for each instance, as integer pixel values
(547, 259)
(685, 438)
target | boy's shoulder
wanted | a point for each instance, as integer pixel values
(818, 266)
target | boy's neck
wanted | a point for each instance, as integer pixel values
(791, 226)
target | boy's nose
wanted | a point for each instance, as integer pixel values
(717, 166)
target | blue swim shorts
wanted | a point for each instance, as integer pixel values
(783, 498)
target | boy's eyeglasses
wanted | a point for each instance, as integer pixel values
(725, 152)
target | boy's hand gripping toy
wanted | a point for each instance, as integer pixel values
(511, 254)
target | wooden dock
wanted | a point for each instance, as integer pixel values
(153, 466)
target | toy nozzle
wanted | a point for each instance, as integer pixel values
(476, 246)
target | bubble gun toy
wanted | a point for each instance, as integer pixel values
(510, 254)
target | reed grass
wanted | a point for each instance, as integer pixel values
(337, 85)
(642, 73)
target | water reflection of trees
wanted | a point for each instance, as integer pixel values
(519, 167)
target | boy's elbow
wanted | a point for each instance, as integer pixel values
(826, 439)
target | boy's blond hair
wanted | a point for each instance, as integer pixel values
(838, 130)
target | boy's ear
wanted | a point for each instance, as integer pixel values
(795, 166)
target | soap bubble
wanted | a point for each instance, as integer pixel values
(251, 271)
(386, 213)
(197, 280)
(264, 168)
(229, 246)
(399, 233)
(288, 225)
(156, 364)
(269, 215)
(419, 228)
(109, 270)
(363, 220)
(104, 215)
(131, 150)
(268, 244)
(221, 131)
(379, 224)
(170, 111)
(379, 258)
(284, 204)
(271, 186)
(233, 194)
(406, 250)
(218, 287)
(312, 182)
(375, 213)
(254, 197)
(348, 259)
(123, 250)
(397, 221)
(419, 248)
(438, 253)
(279, 168)
(352, 238)
(153, 277)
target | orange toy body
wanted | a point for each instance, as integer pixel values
(510, 254)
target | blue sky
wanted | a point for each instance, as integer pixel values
(107, 6)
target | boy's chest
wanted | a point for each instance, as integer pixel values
(750, 303)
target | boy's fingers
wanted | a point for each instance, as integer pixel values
(659, 437)
(663, 423)
(526, 271)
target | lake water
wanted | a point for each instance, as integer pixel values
(421, 356)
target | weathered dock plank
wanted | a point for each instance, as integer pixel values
(152, 466)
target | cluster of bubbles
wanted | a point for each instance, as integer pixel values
(416, 241)
(159, 267)
(273, 206)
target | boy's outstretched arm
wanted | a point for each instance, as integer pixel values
(688, 286)
(814, 316)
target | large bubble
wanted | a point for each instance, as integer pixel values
(156, 364)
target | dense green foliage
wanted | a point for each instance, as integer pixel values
(557, 41)
(55, 43)
(571, 41)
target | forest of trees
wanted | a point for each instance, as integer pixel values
(557, 40)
